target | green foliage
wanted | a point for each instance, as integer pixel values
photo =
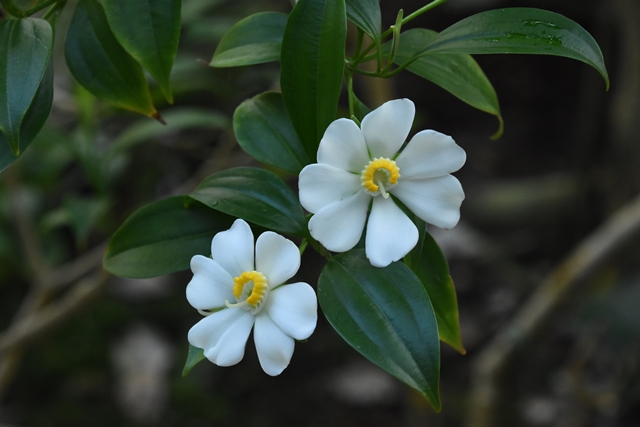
(366, 15)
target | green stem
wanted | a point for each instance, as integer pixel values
(350, 93)
(414, 15)
(58, 5)
(12, 9)
(39, 7)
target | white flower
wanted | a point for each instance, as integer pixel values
(235, 293)
(357, 170)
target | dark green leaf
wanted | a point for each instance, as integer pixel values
(33, 121)
(386, 315)
(160, 238)
(520, 30)
(25, 48)
(255, 195)
(429, 264)
(149, 31)
(101, 65)
(312, 64)
(360, 108)
(264, 130)
(254, 40)
(195, 356)
(366, 15)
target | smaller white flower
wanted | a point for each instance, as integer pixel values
(236, 289)
(359, 168)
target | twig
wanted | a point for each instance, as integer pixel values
(589, 256)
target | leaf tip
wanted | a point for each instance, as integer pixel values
(500, 130)
(156, 116)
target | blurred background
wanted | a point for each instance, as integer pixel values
(549, 342)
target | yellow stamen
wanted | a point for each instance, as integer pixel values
(251, 286)
(378, 173)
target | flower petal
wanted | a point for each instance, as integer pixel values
(436, 200)
(386, 128)
(223, 335)
(274, 347)
(390, 233)
(276, 257)
(233, 249)
(320, 185)
(294, 309)
(343, 146)
(210, 286)
(430, 154)
(339, 226)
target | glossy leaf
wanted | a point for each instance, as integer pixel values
(386, 315)
(149, 31)
(264, 130)
(520, 30)
(101, 65)
(366, 15)
(160, 238)
(429, 264)
(195, 356)
(25, 48)
(33, 121)
(254, 40)
(255, 195)
(312, 61)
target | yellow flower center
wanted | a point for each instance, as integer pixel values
(250, 289)
(380, 172)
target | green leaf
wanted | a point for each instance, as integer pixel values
(24, 54)
(254, 40)
(459, 74)
(255, 195)
(366, 15)
(153, 40)
(429, 264)
(520, 30)
(386, 315)
(195, 356)
(33, 121)
(264, 130)
(160, 238)
(101, 65)
(312, 60)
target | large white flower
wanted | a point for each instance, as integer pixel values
(236, 289)
(359, 168)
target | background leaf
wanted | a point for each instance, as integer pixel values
(385, 314)
(312, 64)
(430, 265)
(366, 15)
(161, 237)
(25, 48)
(255, 195)
(264, 130)
(520, 30)
(101, 65)
(254, 40)
(149, 31)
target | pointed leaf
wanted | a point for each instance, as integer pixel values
(312, 60)
(101, 65)
(429, 264)
(25, 48)
(254, 40)
(386, 315)
(255, 195)
(264, 130)
(366, 15)
(149, 31)
(161, 237)
(520, 30)
(195, 356)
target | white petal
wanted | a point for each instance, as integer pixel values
(294, 309)
(390, 233)
(223, 335)
(274, 347)
(339, 226)
(436, 200)
(320, 185)
(233, 249)
(430, 154)
(210, 286)
(386, 128)
(343, 146)
(276, 257)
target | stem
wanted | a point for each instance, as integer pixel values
(12, 9)
(39, 7)
(415, 14)
(350, 93)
